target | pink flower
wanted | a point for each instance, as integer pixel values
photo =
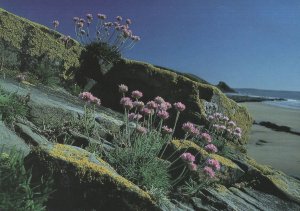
(151, 105)
(146, 111)
(217, 115)
(159, 100)
(81, 20)
(195, 132)
(179, 106)
(188, 157)
(89, 16)
(210, 118)
(80, 25)
(128, 21)
(55, 23)
(101, 16)
(206, 137)
(136, 94)
(209, 171)
(126, 102)
(166, 130)
(163, 114)
(222, 127)
(192, 166)
(75, 19)
(138, 104)
(225, 118)
(238, 130)
(119, 18)
(188, 127)
(164, 106)
(133, 116)
(141, 130)
(211, 148)
(123, 88)
(88, 97)
(237, 135)
(231, 124)
(214, 163)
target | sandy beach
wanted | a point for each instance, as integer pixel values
(280, 150)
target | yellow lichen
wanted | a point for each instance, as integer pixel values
(80, 159)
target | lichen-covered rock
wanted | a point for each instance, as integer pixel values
(83, 181)
(154, 81)
(230, 172)
(277, 181)
(27, 40)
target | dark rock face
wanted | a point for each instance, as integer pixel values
(199, 98)
(225, 88)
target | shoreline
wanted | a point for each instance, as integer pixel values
(270, 145)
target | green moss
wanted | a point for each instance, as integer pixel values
(36, 40)
(266, 170)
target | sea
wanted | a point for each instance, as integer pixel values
(291, 98)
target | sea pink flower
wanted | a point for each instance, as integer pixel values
(211, 148)
(225, 118)
(206, 137)
(192, 166)
(81, 20)
(88, 97)
(217, 115)
(213, 163)
(55, 23)
(138, 104)
(209, 171)
(168, 105)
(75, 19)
(80, 25)
(210, 118)
(119, 18)
(159, 100)
(237, 135)
(151, 105)
(179, 106)
(123, 88)
(89, 16)
(146, 111)
(166, 130)
(231, 124)
(188, 127)
(222, 127)
(128, 21)
(141, 130)
(238, 130)
(101, 16)
(164, 106)
(163, 114)
(126, 102)
(195, 132)
(133, 116)
(136, 94)
(188, 157)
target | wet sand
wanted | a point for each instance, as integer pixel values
(280, 150)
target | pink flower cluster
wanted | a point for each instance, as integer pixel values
(89, 98)
(190, 129)
(167, 130)
(211, 148)
(214, 163)
(222, 124)
(209, 171)
(212, 166)
(189, 159)
(206, 137)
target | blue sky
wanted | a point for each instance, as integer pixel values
(247, 43)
